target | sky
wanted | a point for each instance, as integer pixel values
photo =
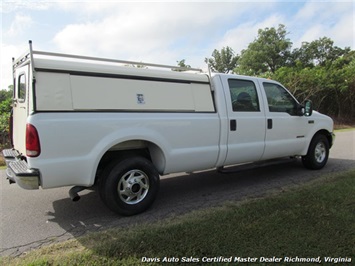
(163, 32)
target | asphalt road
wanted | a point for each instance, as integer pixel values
(31, 219)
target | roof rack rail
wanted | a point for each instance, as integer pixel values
(34, 52)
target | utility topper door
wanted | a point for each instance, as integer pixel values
(20, 107)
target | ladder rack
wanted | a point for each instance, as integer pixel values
(71, 56)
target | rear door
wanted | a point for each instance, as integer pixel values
(20, 107)
(247, 124)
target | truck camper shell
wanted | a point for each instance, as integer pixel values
(64, 82)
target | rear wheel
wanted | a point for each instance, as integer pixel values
(129, 186)
(318, 153)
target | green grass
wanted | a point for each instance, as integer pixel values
(310, 221)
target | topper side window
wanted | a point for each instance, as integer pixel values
(21, 87)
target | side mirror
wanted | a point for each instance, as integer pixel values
(308, 108)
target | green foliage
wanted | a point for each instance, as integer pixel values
(319, 52)
(6, 94)
(182, 64)
(5, 105)
(329, 83)
(5, 109)
(268, 52)
(318, 70)
(223, 61)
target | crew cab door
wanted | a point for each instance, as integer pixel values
(247, 125)
(20, 107)
(286, 127)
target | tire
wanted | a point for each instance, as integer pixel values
(129, 186)
(318, 152)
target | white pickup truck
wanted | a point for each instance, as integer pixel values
(84, 122)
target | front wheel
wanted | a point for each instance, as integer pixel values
(129, 186)
(318, 153)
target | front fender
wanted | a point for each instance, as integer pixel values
(322, 124)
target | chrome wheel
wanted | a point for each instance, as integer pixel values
(320, 152)
(133, 187)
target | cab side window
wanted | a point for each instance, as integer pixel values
(279, 100)
(243, 95)
(21, 89)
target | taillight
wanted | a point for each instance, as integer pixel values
(33, 147)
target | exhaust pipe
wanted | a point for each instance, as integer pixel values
(73, 192)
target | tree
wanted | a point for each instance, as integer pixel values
(5, 110)
(181, 64)
(341, 83)
(6, 94)
(318, 52)
(330, 84)
(223, 61)
(268, 52)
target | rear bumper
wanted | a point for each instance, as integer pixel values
(18, 171)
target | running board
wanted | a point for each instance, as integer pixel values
(249, 166)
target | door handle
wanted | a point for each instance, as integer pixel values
(14, 102)
(233, 125)
(269, 123)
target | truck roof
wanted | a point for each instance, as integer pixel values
(236, 76)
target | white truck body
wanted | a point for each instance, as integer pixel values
(88, 112)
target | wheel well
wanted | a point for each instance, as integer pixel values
(327, 134)
(132, 148)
